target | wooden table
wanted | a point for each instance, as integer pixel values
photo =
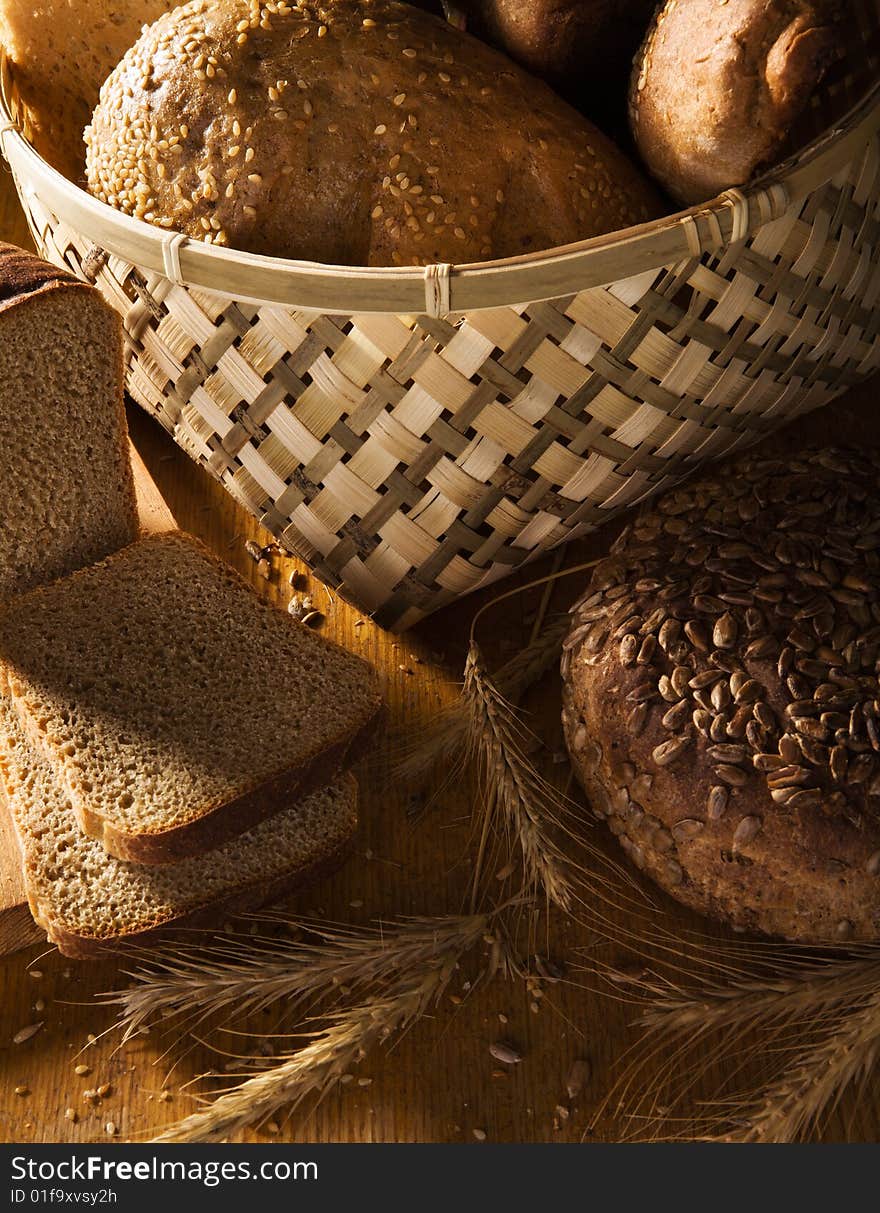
(439, 1083)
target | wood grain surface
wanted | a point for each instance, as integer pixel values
(439, 1083)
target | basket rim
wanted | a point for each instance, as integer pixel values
(435, 290)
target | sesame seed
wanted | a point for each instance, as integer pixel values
(255, 178)
(380, 129)
(232, 96)
(399, 99)
(249, 155)
(369, 23)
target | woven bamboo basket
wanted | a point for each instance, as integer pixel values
(415, 434)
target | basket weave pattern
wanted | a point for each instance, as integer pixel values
(413, 458)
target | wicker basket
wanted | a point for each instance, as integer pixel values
(416, 434)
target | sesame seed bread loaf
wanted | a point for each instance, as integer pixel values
(716, 87)
(66, 485)
(177, 707)
(722, 700)
(88, 902)
(356, 132)
(61, 53)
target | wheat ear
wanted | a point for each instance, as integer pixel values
(349, 1035)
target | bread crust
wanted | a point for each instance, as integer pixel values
(808, 869)
(351, 132)
(716, 87)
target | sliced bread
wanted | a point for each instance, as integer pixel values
(66, 486)
(88, 902)
(176, 706)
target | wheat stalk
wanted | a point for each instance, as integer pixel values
(515, 797)
(332, 1051)
(447, 738)
(244, 975)
(815, 1082)
(818, 1021)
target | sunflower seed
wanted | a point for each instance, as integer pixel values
(697, 635)
(735, 776)
(789, 748)
(749, 691)
(748, 828)
(716, 804)
(839, 761)
(739, 721)
(505, 1053)
(806, 798)
(702, 720)
(764, 715)
(667, 690)
(727, 753)
(669, 751)
(676, 716)
(688, 827)
(647, 651)
(724, 632)
(669, 634)
(707, 678)
(629, 648)
(673, 872)
(718, 728)
(642, 693)
(24, 1034)
(791, 776)
(720, 696)
(635, 721)
(872, 867)
(768, 762)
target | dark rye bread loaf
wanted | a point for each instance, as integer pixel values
(722, 701)
(88, 903)
(66, 488)
(357, 132)
(176, 706)
(717, 86)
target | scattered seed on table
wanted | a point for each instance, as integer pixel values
(505, 1053)
(480, 1134)
(82, 1069)
(26, 1033)
(22, 1090)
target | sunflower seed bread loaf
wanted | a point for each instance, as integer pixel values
(88, 902)
(717, 86)
(61, 52)
(722, 701)
(355, 132)
(177, 707)
(66, 485)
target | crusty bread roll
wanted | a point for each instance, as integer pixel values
(580, 46)
(717, 86)
(62, 52)
(722, 700)
(349, 132)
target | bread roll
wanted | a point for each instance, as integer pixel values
(352, 133)
(716, 87)
(722, 700)
(62, 51)
(582, 47)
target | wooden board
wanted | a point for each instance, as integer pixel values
(17, 927)
(439, 1083)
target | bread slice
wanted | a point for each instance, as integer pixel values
(178, 708)
(66, 488)
(87, 902)
(61, 52)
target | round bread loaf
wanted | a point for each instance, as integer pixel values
(716, 87)
(580, 46)
(722, 700)
(349, 132)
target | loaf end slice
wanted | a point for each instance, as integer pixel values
(88, 902)
(67, 489)
(177, 707)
